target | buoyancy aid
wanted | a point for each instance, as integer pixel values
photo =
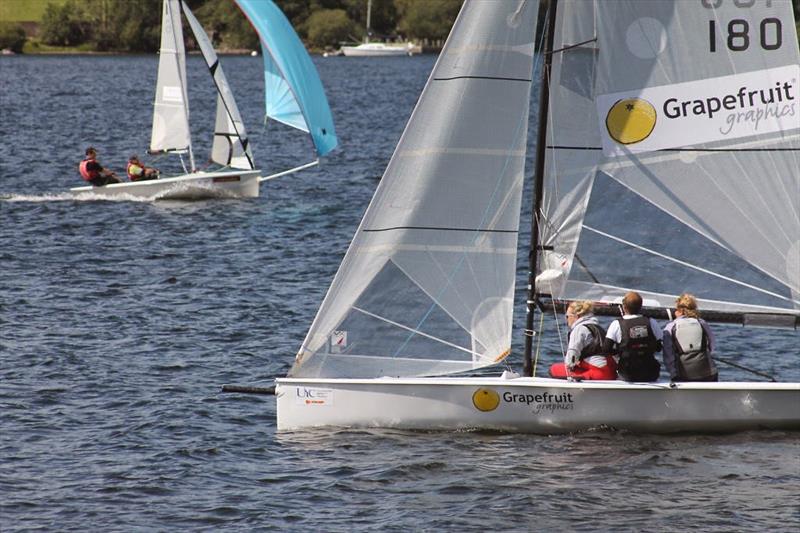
(596, 347)
(637, 349)
(690, 343)
(132, 172)
(86, 174)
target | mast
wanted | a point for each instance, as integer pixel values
(369, 19)
(538, 186)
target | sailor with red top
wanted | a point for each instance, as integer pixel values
(93, 172)
(586, 356)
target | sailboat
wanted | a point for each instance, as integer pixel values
(293, 94)
(371, 49)
(667, 161)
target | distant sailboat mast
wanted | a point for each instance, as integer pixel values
(369, 21)
(544, 98)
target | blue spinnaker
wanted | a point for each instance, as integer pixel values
(293, 91)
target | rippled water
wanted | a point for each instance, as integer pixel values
(119, 321)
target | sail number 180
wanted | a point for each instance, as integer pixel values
(738, 34)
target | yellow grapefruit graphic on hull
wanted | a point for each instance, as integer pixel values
(485, 400)
(631, 120)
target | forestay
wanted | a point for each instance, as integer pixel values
(697, 188)
(427, 284)
(230, 146)
(293, 91)
(171, 109)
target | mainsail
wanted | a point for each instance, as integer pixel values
(230, 146)
(714, 209)
(171, 107)
(427, 284)
(293, 91)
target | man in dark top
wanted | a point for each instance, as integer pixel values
(635, 339)
(93, 172)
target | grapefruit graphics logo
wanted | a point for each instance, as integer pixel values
(485, 400)
(631, 120)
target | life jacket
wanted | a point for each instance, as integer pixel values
(132, 176)
(86, 174)
(636, 349)
(692, 358)
(596, 346)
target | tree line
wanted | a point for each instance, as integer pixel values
(135, 25)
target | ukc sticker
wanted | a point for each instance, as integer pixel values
(313, 396)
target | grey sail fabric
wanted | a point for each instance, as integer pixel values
(717, 216)
(570, 161)
(229, 147)
(171, 109)
(427, 284)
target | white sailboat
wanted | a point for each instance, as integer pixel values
(665, 199)
(372, 49)
(287, 66)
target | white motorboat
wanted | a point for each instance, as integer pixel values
(377, 49)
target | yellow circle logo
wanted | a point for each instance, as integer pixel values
(631, 120)
(485, 400)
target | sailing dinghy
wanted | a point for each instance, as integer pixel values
(667, 162)
(293, 93)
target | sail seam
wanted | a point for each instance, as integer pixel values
(499, 78)
(440, 229)
(565, 147)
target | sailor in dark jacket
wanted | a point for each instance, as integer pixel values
(635, 339)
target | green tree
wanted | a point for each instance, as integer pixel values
(12, 36)
(65, 25)
(135, 25)
(429, 19)
(228, 26)
(328, 27)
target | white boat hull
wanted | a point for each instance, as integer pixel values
(365, 51)
(535, 405)
(228, 183)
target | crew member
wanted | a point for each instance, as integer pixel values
(635, 339)
(93, 172)
(586, 357)
(688, 343)
(137, 171)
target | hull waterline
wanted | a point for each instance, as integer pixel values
(232, 183)
(535, 405)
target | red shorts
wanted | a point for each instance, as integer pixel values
(586, 371)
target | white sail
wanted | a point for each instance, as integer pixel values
(427, 284)
(230, 145)
(719, 217)
(171, 107)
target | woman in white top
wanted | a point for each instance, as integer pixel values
(585, 357)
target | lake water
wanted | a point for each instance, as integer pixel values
(119, 322)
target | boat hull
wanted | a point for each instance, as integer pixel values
(535, 405)
(200, 185)
(360, 51)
